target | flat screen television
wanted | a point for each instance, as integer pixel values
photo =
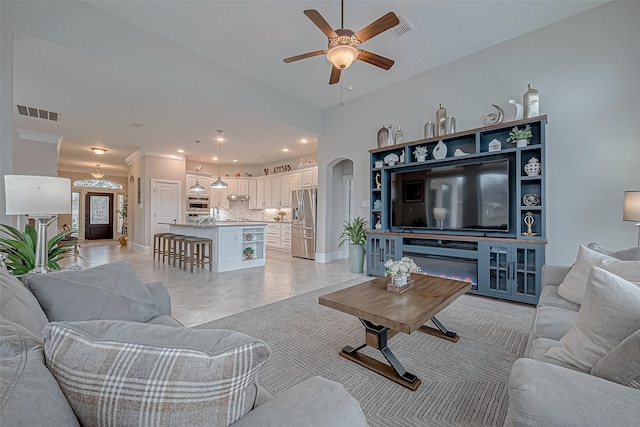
(472, 197)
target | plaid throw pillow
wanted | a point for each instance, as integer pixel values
(130, 374)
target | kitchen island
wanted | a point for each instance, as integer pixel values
(230, 242)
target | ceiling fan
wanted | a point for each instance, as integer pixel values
(342, 49)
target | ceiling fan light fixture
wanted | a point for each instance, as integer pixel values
(342, 56)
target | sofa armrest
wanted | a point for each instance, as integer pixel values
(316, 402)
(553, 274)
(541, 394)
(160, 296)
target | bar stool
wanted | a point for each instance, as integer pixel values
(157, 244)
(195, 252)
(167, 246)
(179, 250)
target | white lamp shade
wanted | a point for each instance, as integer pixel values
(37, 195)
(631, 210)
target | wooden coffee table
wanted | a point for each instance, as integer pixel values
(384, 314)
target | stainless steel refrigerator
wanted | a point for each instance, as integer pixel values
(303, 223)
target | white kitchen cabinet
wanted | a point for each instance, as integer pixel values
(278, 235)
(260, 200)
(243, 187)
(275, 191)
(253, 194)
(285, 191)
(203, 180)
(230, 246)
(294, 182)
(232, 187)
(267, 192)
(309, 177)
(218, 198)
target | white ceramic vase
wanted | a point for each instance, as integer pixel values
(521, 143)
(421, 158)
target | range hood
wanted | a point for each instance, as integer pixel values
(237, 197)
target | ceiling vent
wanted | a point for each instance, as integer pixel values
(38, 113)
(403, 27)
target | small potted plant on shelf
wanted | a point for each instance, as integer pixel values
(420, 153)
(248, 252)
(520, 136)
(354, 232)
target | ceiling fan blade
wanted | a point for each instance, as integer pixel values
(335, 75)
(377, 60)
(378, 26)
(317, 19)
(304, 56)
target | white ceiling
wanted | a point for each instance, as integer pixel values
(97, 101)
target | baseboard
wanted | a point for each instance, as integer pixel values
(142, 249)
(328, 257)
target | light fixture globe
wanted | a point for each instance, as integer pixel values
(219, 183)
(97, 174)
(197, 187)
(342, 56)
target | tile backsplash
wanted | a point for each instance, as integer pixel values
(239, 210)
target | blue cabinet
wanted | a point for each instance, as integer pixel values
(510, 271)
(379, 250)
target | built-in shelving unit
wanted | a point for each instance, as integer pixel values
(504, 262)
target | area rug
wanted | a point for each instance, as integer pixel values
(463, 383)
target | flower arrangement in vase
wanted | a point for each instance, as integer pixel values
(520, 136)
(420, 153)
(282, 214)
(400, 270)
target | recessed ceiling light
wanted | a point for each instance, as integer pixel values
(285, 149)
(181, 151)
(235, 160)
(214, 158)
(304, 140)
(99, 151)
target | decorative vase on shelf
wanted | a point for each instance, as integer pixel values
(382, 136)
(531, 102)
(533, 167)
(421, 158)
(400, 280)
(521, 143)
(515, 111)
(440, 151)
(390, 141)
(429, 129)
(441, 116)
(399, 138)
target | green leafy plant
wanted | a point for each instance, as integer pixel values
(518, 134)
(354, 232)
(20, 248)
(248, 251)
(420, 151)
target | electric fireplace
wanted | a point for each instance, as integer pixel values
(452, 267)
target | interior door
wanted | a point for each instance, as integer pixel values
(98, 223)
(166, 204)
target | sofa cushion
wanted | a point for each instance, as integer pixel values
(107, 292)
(609, 314)
(539, 349)
(549, 297)
(165, 320)
(574, 284)
(29, 394)
(622, 364)
(127, 374)
(19, 305)
(553, 322)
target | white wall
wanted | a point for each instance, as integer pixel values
(586, 69)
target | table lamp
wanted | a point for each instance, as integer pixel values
(631, 210)
(42, 198)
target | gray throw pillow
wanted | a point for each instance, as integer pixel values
(622, 364)
(130, 374)
(19, 305)
(107, 292)
(29, 394)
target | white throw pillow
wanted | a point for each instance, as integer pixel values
(610, 313)
(574, 284)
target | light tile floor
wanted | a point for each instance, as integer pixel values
(205, 296)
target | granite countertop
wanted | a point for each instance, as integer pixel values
(219, 224)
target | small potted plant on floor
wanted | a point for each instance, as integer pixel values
(248, 252)
(354, 232)
(520, 136)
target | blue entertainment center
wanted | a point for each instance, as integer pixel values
(473, 209)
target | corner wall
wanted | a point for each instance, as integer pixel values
(586, 70)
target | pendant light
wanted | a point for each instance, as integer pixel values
(97, 174)
(197, 187)
(219, 183)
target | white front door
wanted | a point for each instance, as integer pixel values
(165, 204)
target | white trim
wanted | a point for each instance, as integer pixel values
(142, 249)
(326, 258)
(49, 138)
(141, 153)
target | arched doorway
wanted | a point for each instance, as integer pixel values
(340, 203)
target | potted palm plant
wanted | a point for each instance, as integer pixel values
(354, 232)
(20, 248)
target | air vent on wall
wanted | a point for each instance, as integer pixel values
(38, 113)
(403, 27)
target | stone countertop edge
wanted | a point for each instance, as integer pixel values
(219, 224)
